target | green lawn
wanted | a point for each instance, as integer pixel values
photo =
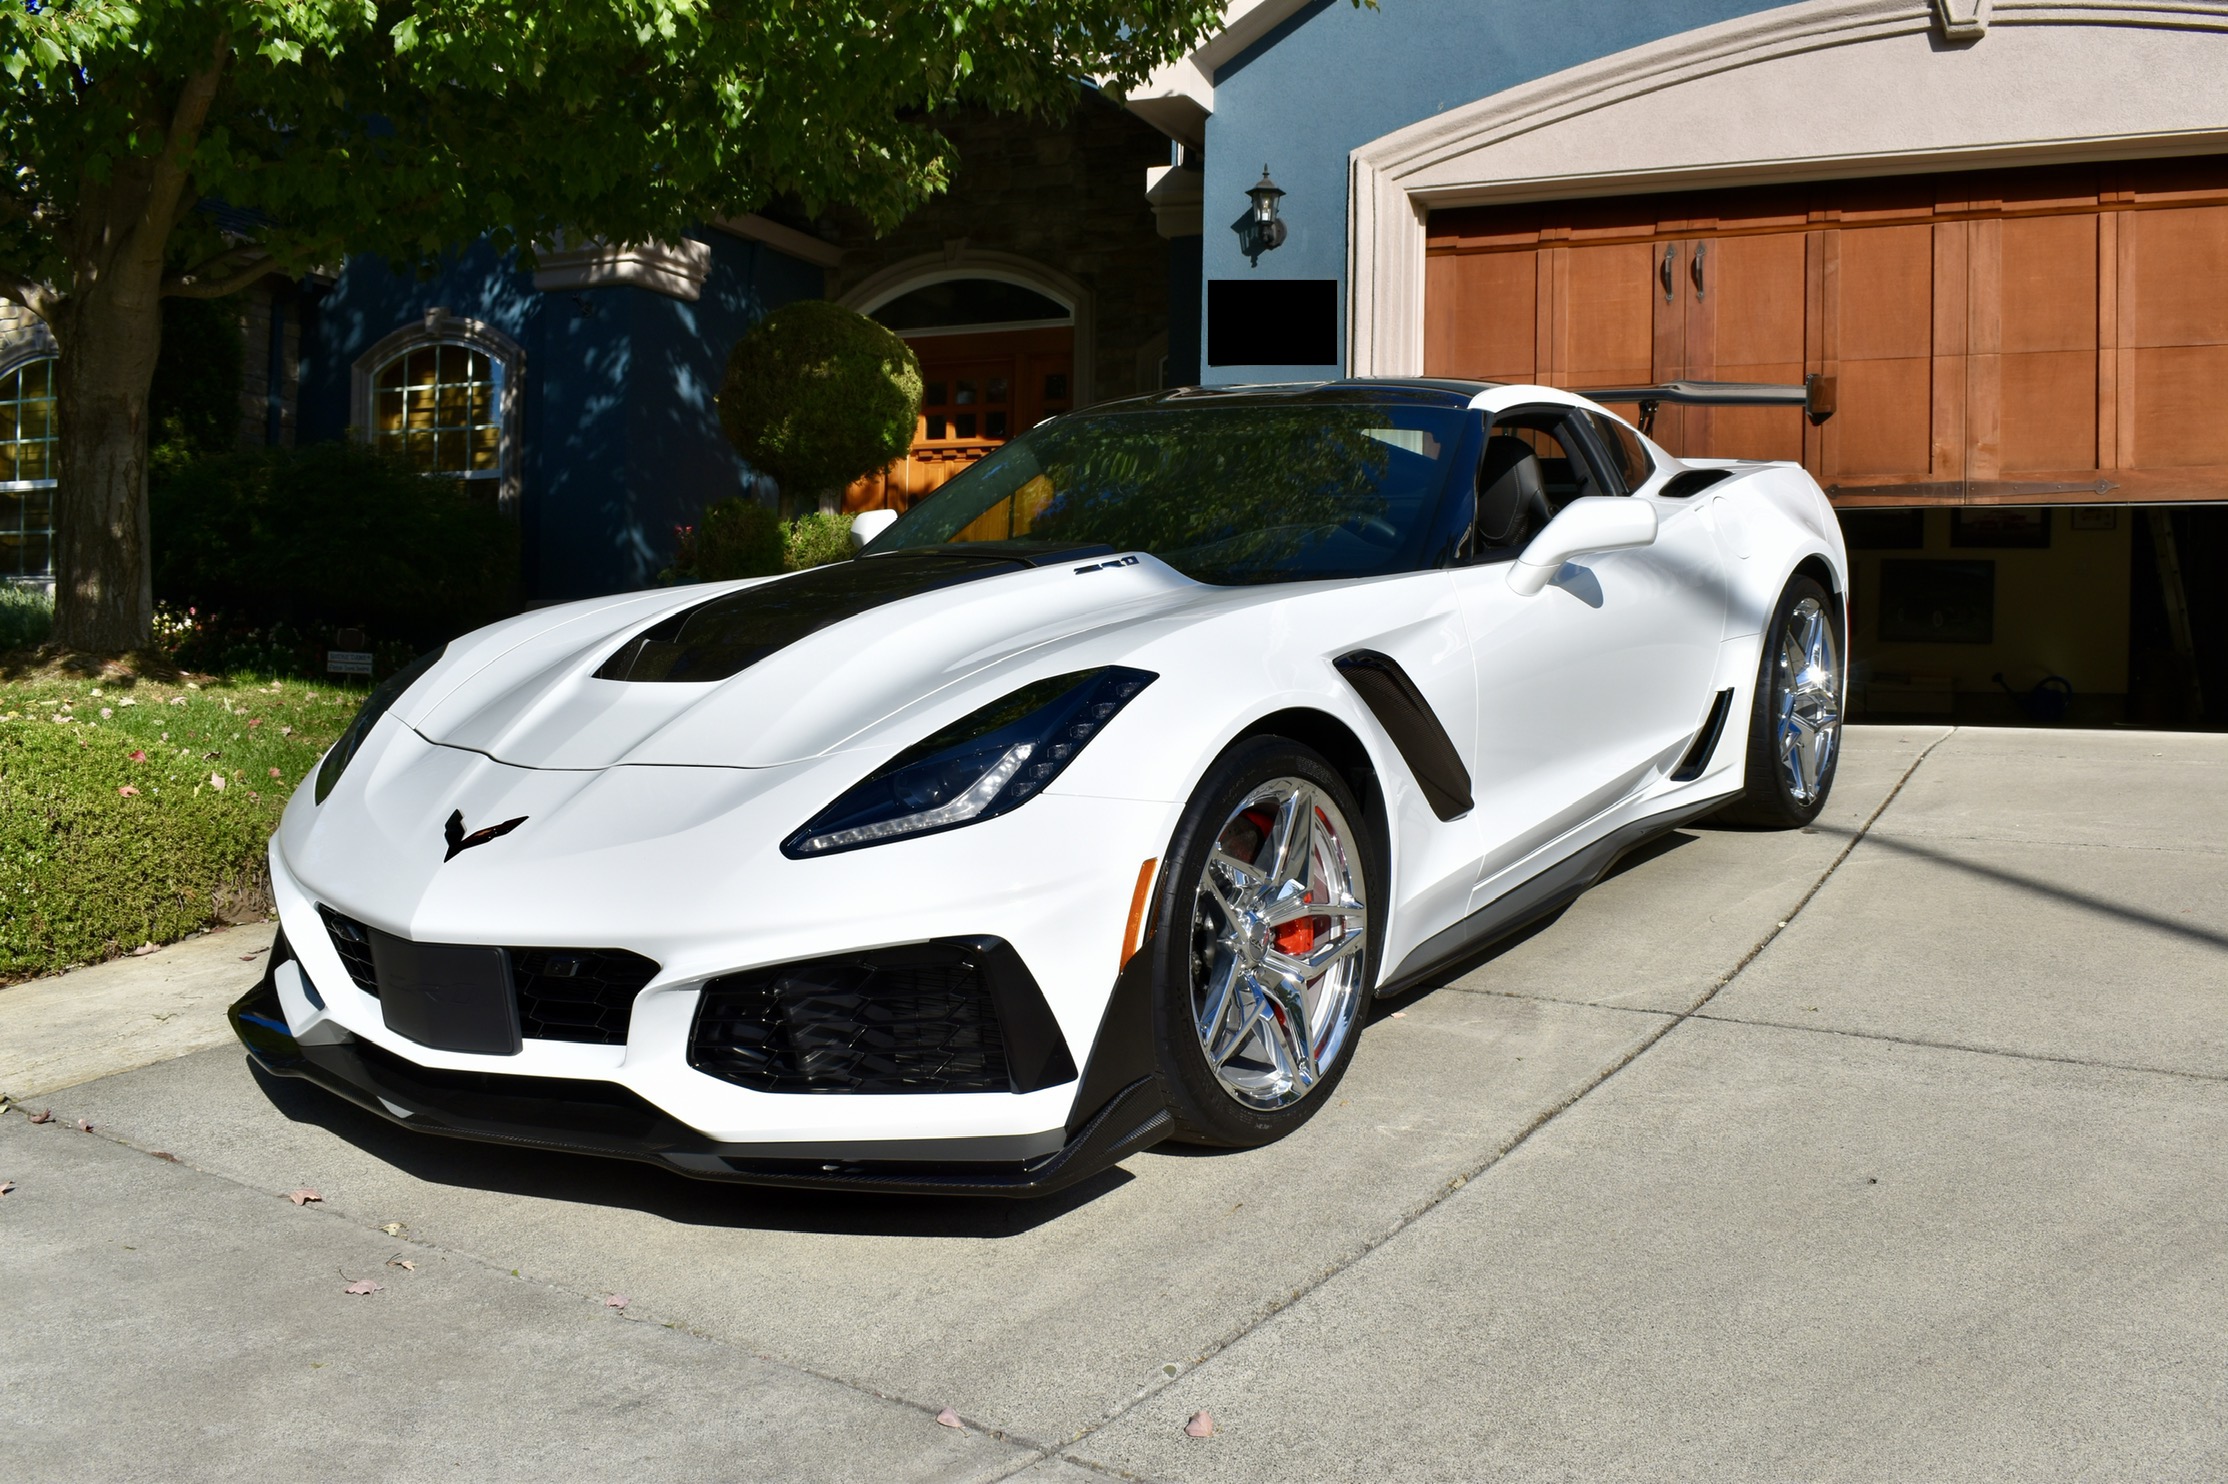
(135, 811)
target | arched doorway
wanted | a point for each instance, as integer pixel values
(998, 341)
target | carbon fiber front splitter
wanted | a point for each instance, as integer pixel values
(579, 1116)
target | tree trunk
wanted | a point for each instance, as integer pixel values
(109, 332)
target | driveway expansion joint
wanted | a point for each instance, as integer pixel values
(1965, 1047)
(1672, 1020)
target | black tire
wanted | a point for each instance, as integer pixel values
(1207, 1112)
(1770, 798)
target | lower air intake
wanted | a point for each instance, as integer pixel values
(950, 1016)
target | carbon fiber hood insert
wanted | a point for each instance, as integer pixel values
(729, 634)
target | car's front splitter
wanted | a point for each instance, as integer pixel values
(580, 1116)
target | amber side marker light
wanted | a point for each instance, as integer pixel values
(1134, 938)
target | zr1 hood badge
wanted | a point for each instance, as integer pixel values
(460, 842)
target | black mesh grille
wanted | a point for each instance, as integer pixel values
(577, 994)
(564, 994)
(916, 1019)
(352, 941)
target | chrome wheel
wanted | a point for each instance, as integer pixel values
(1808, 724)
(1279, 929)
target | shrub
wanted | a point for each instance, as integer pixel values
(26, 613)
(816, 539)
(302, 542)
(737, 538)
(113, 832)
(818, 396)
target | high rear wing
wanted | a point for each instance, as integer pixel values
(1815, 396)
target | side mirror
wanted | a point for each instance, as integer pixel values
(1593, 523)
(868, 524)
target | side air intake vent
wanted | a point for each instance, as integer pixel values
(956, 1015)
(1692, 482)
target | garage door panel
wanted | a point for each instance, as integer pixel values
(2179, 259)
(2178, 405)
(2049, 285)
(1885, 424)
(2048, 410)
(2063, 326)
(1883, 294)
(1605, 314)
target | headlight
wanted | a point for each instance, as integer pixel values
(383, 695)
(984, 764)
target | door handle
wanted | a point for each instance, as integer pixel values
(1668, 269)
(1695, 269)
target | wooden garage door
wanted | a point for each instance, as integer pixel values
(2054, 335)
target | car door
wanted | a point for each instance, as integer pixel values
(1592, 688)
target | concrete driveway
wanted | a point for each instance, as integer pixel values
(1895, 1148)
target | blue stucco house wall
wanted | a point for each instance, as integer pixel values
(618, 428)
(1332, 77)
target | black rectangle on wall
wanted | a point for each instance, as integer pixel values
(1272, 322)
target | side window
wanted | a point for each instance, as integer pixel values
(1628, 456)
(1536, 461)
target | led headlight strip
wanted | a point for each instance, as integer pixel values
(988, 762)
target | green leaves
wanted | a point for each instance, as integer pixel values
(397, 126)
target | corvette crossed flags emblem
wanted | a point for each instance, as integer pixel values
(460, 842)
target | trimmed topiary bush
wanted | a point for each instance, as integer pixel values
(329, 536)
(816, 539)
(818, 396)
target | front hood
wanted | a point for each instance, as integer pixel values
(755, 675)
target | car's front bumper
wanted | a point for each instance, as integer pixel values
(1118, 1113)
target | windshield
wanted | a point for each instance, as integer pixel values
(1223, 494)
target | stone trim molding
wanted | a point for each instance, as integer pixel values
(676, 269)
(1814, 90)
(958, 260)
(1178, 196)
(802, 246)
(1177, 99)
(439, 327)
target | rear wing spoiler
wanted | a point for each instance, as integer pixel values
(1815, 396)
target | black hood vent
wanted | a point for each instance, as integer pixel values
(729, 634)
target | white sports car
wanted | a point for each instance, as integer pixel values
(1088, 806)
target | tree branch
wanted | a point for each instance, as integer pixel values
(194, 102)
(36, 297)
(188, 286)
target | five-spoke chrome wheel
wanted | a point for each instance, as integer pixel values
(1280, 931)
(1808, 698)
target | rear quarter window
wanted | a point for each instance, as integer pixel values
(1627, 453)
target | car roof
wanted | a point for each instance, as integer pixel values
(1415, 391)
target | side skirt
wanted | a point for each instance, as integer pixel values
(1536, 897)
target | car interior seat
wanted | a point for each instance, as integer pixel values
(1512, 495)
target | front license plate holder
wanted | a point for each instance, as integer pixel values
(451, 997)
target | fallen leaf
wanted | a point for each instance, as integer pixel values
(44, 1115)
(6, 1186)
(1400, 1015)
(177, 700)
(255, 721)
(275, 773)
(83, 1127)
(393, 1228)
(165, 1154)
(615, 1301)
(949, 1418)
(143, 950)
(216, 781)
(364, 1286)
(303, 1196)
(286, 731)
(127, 791)
(1200, 1426)
(403, 1263)
(139, 754)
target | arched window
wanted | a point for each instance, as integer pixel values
(443, 392)
(440, 406)
(27, 464)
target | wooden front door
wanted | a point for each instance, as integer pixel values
(2049, 335)
(977, 391)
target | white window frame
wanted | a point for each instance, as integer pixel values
(27, 357)
(439, 327)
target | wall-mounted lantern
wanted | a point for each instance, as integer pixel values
(1260, 230)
